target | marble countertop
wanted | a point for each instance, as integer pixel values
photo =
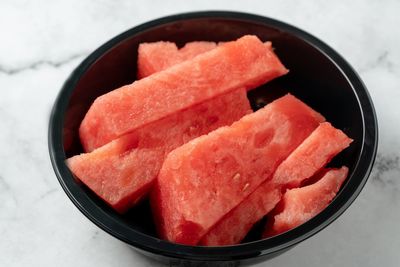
(42, 41)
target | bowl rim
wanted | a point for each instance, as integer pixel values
(272, 245)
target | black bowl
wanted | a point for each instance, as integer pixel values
(318, 75)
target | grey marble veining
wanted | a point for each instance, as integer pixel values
(38, 64)
(42, 41)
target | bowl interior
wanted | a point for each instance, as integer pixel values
(313, 77)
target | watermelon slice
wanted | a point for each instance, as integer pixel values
(158, 56)
(246, 62)
(315, 151)
(312, 155)
(234, 226)
(301, 204)
(205, 178)
(123, 171)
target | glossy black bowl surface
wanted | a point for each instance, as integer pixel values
(318, 76)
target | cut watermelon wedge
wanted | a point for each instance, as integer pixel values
(301, 204)
(311, 156)
(122, 171)
(246, 63)
(205, 178)
(158, 56)
(234, 226)
(316, 150)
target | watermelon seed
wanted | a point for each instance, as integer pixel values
(236, 177)
(245, 187)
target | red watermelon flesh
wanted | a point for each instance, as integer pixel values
(158, 56)
(301, 204)
(205, 178)
(246, 63)
(234, 226)
(122, 171)
(310, 156)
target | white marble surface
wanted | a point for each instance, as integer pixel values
(42, 41)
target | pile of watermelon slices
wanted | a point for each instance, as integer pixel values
(185, 136)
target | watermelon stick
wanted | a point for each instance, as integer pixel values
(158, 56)
(245, 63)
(301, 204)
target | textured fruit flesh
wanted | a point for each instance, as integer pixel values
(301, 204)
(205, 178)
(234, 226)
(311, 156)
(246, 63)
(158, 56)
(122, 171)
(313, 153)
